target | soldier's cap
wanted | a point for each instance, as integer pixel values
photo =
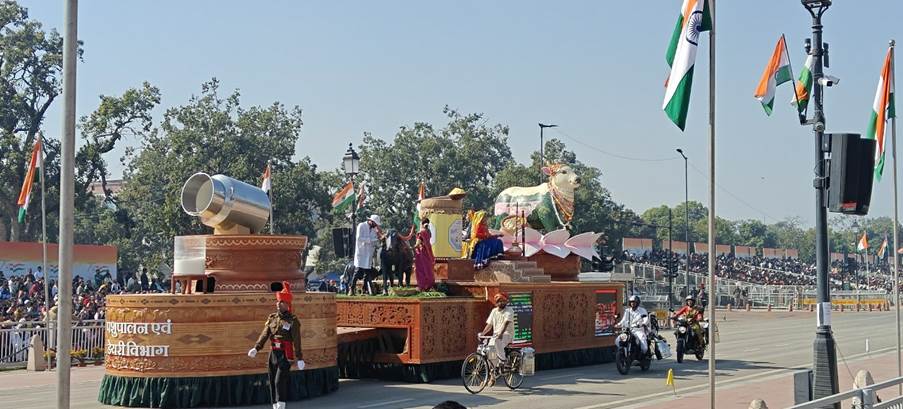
(285, 294)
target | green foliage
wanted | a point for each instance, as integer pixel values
(215, 134)
(466, 153)
(30, 67)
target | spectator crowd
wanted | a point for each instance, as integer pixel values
(22, 296)
(772, 271)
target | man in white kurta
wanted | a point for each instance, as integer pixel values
(501, 325)
(366, 239)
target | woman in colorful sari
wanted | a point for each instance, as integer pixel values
(483, 243)
(423, 257)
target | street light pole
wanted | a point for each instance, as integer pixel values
(542, 156)
(670, 262)
(686, 218)
(67, 198)
(824, 346)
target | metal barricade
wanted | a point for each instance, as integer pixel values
(866, 395)
(15, 339)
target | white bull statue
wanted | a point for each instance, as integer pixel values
(548, 206)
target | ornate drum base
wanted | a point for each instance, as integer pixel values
(191, 350)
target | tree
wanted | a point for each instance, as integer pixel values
(30, 67)
(215, 135)
(115, 118)
(754, 233)
(465, 153)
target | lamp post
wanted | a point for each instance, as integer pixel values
(824, 347)
(351, 163)
(542, 156)
(686, 218)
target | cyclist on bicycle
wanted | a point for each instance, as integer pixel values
(501, 325)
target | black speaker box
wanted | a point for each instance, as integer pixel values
(851, 173)
(343, 242)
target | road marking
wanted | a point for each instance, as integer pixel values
(691, 389)
(373, 405)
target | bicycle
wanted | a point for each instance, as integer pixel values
(478, 371)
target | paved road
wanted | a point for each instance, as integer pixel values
(753, 346)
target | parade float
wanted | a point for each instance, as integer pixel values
(188, 348)
(420, 339)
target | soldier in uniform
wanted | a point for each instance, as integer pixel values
(283, 330)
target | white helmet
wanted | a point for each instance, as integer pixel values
(689, 297)
(633, 298)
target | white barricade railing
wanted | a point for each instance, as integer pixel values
(867, 397)
(15, 339)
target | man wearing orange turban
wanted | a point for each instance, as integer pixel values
(283, 330)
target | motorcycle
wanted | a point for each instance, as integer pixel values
(687, 342)
(629, 353)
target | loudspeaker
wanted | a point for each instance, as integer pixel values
(851, 173)
(343, 242)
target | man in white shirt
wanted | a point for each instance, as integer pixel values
(367, 237)
(501, 325)
(637, 319)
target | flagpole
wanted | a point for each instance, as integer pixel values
(893, 136)
(47, 299)
(713, 298)
(796, 96)
(270, 194)
(67, 196)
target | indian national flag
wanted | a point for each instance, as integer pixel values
(776, 73)
(882, 109)
(343, 198)
(883, 249)
(863, 243)
(267, 180)
(361, 195)
(803, 87)
(694, 18)
(421, 194)
(33, 165)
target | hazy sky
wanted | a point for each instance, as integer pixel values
(596, 68)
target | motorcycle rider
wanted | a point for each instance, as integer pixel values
(694, 317)
(637, 319)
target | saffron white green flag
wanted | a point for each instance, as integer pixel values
(694, 18)
(343, 198)
(34, 165)
(803, 87)
(776, 73)
(882, 109)
(267, 183)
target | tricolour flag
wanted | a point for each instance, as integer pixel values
(882, 109)
(694, 18)
(803, 87)
(267, 179)
(863, 243)
(883, 249)
(776, 73)
(343, 198)
(421, 194)
(25, 194)
(361, 195)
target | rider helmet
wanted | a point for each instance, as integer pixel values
(634, 298)
(689, 298)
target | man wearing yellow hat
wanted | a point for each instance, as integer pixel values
(283, 330)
